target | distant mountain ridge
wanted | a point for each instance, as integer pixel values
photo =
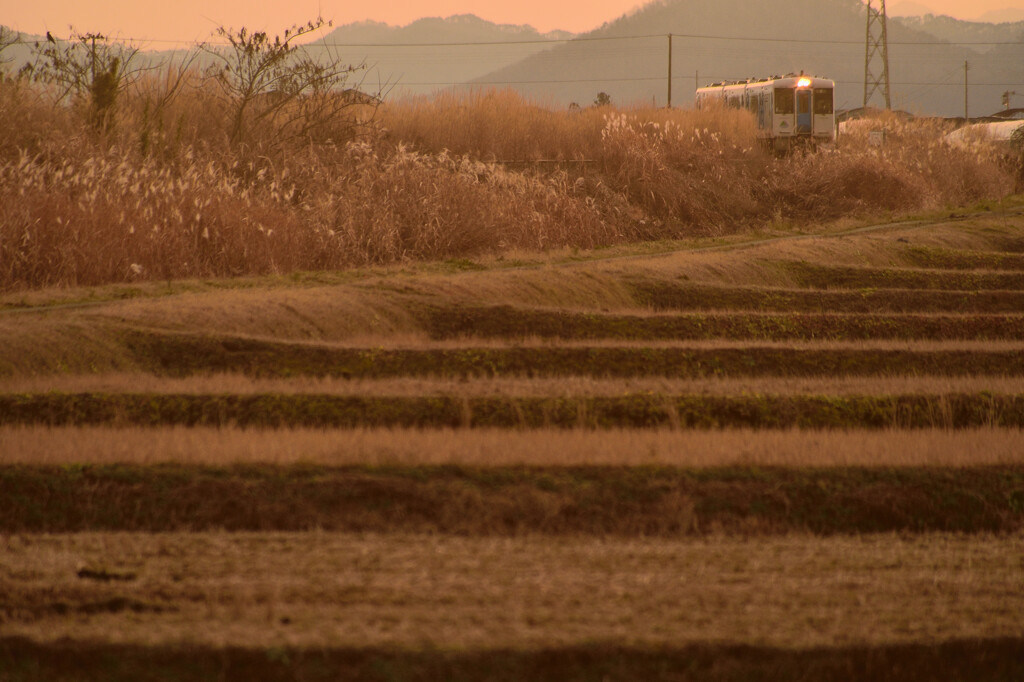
(461, 27)
(401, 56)
(959, 31)
(736, 39)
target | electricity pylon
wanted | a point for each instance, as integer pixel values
(876, 48)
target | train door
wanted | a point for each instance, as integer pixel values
(824, 118)
(803, 111)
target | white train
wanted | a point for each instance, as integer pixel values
(790, 110)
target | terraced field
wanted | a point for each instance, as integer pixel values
(792, 456)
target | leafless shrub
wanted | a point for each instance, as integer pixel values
(277, 92)
(87, 67)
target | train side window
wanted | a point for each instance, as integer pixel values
(784, 100)
(823, 100)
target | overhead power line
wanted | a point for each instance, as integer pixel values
(587, 39)
(660, 79)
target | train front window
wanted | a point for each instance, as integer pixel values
(823, 100)
(784, 100)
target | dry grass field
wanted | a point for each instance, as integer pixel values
(483, 447)
(849, 502)
(328, 590)
(479, 390)
(171, 188)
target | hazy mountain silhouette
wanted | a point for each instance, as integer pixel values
(754, 40)
(957, 31)
(397, 55)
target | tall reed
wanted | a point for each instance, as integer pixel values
(163, 193)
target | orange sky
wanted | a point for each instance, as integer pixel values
(190, 20)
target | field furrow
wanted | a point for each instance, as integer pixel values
(89, 660)
(511, 322)
(662, 295)
(572, 386)
(643, 410)
(818, 276)
(634, 500)
(183, 354)
(961, 259)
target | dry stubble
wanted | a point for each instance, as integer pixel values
(324, 589)
(499, 447)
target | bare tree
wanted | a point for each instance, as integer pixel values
(293, 92)
(86, 66)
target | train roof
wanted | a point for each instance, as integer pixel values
(787, 81)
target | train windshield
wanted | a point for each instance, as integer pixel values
(823, 100)
(784, 101)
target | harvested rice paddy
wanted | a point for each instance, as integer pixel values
(779, 459)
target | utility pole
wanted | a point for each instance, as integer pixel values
(92, 38)
(966, 67)
(669, 70)
(876, 43)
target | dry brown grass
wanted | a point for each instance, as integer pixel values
(740, 259)
(914, 168)
(590, 281)
(87, 210)
(424, 591)
(91, 342)
(493, 125)
(497, 447)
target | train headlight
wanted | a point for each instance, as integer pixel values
(803, 83)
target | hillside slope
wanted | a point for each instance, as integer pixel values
(741, 40)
